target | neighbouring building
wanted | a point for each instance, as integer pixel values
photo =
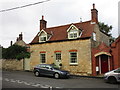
(115, 50)
(21, 42)
(80, 48)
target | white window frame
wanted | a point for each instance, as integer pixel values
(41, 58)
(76, 62)
(72, 30)
(73, 34)
(42, 36)
(94, 36)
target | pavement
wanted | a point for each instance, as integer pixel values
(98, 77)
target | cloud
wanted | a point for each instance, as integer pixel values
(56, 12)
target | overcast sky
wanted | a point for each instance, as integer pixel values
(56, 12)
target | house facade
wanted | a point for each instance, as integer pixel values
(80, 48)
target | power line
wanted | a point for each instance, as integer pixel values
(23, 6)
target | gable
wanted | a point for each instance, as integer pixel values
(42, 32)
(72, 28)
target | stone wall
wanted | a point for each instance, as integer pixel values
(83, 48)
(100, 37)
(12, 64)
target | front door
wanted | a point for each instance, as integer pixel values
(58, 59)
(104, 64)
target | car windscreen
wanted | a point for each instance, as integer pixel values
(55, 67)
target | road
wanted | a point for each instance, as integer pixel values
(22, 79)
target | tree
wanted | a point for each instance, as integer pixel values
(15, 52)
(106, 29)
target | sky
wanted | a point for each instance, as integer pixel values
(56, 13)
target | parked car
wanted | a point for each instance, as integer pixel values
(50, 70)
(112, 76)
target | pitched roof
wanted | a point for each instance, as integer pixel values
(117, 40)
(60, 32)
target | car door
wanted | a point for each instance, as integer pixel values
(48, 70)
(117, 74)
(42, 69)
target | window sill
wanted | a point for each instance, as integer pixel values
(73, 64)
(42, 41)
(73, 38)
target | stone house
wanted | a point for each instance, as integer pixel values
(80, 48)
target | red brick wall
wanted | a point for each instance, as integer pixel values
(101, 48)
(93, 62)
(116, 53)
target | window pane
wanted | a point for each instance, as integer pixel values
(43, 38)
(75, 34)
(73, 57)
(71, 35)
(58, 56)
(42, 58)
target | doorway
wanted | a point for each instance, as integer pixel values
(102, 64)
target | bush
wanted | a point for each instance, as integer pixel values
(15, 52)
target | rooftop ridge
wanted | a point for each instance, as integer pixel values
(68, 24)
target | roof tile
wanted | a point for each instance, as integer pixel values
(60, 32)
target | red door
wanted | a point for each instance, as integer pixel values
(104, 63)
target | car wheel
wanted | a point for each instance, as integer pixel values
(37, 74)
(56, 75)
(112, 80)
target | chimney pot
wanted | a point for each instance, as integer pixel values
(42, 17)
(93, 6)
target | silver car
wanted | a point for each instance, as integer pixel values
(112, 76)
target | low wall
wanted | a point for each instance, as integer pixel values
(12, 64)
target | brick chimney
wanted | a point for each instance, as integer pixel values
(94, 14)
(42, 23)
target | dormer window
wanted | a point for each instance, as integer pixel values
(42, 36)
(73, 32)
